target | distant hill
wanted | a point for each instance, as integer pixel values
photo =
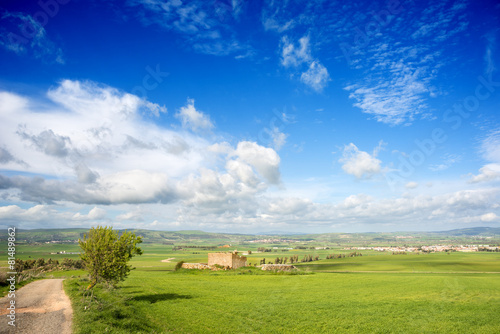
(193, 237)
(149, 236)
(483, 231)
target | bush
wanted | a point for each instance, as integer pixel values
(3, 279)
(105, 254)
(179, 265)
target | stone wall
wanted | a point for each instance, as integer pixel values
(230, 260)
(195, 266)
(238, 261)
(221, 259)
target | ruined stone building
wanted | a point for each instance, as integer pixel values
(230, 260)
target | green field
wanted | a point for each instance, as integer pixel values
(373, 293)
(402, 297)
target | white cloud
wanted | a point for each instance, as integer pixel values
(355, 201)
(265, 160)
(316, 76)
(94, 214)
(86, 139)
(86, 124)
(37, 213)
(399, 74)
(490, 172)
(490, 150)
(278, 137)
(359, 163)
(221, 148)
(131, 216)
(243, 172)
(193, 119)
(490, 146)
(294, 56)
(489, 217)
(411, 185)
(289, 206)
(395, 100)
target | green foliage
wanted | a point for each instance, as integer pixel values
(341, 256)
(106, 254)
(179, 265)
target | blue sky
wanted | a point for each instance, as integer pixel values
(250, 116)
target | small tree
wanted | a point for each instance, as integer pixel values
(178, 265)
(105, 254)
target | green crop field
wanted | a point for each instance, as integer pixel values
(433, 293)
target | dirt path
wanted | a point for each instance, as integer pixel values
(168, 260)
(42, 307)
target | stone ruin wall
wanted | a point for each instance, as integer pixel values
(238, 261)
(195, 266)
(222, 259)
(230, 260)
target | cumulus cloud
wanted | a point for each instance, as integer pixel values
(489, 217)
(289, 206)
(6, 157)
(84, 174)
(360, 163)
(92, 124)
(85, 140)
(94, 214)
(131, 216)
(487, 173)
(48, 142)
(265, 160)
(194, 119)
(133, 186)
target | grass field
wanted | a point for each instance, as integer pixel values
(374, 293)
(397, 295)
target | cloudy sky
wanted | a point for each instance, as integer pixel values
(250, 116)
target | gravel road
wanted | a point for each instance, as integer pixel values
(42, 307)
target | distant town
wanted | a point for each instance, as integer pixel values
(432, 249)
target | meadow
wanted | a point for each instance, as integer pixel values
(373, 293)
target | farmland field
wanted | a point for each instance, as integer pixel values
(433, 293)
